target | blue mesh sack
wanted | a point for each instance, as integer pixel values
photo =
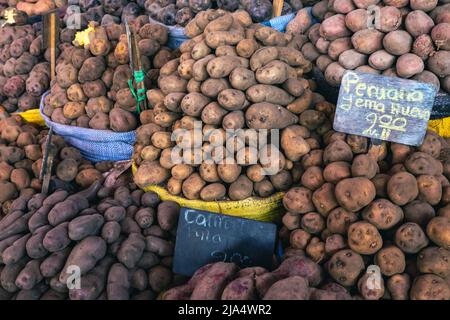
(94, 145)
(177, 36)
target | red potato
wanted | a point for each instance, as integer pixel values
(418, 22)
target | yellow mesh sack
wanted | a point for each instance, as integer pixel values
(267, 209)
(440, 126)
(32, 116)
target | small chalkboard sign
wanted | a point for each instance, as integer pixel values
(385, 108)
(204, 237)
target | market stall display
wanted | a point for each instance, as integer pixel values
(231, 123)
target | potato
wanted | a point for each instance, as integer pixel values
(438, 231)
(293, 144)
(351, 59)
(313, 223)
(391, 260)
(67, 170)
(334, 73)
(334, 27)
(438, 63)
(213, 192)
(274, 72)
(324, 199)
(364, 238)
(402, 188)
(367, 41)
(423, 46)
(381, 60)
(390, 19)
(268, 93)
(410, 238)
(356, 20)
(205, 288)
(162, 140)
(421, 163)
(429, 287)
(338, 46)
(339, 219)
(336, 171)
(364, 166)
(430, 189)
(366, 287)
(398, 286)
(262, 57)
(434, 260)
(418, 22)
(302, 103)
(212, 87)
(298, 200)
(312, 178)
(440, 36)
(292, 288)
(383, 214)
(268, 116)
(222, 66)
(408, 65)
(345, 267)
(240, 189)
(242, 78)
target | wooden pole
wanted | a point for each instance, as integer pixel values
(277, 7)
(53, 45)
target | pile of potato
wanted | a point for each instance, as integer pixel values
(411, 39)
(355, 208)
(91, 88)
(296, 278)
(232, 75)
(121, 241)
(21, 151)
(181, 12)
(24, 74)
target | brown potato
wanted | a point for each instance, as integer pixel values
(324, 199)
(213, 192)
(410, 238)
(391, 260)
(402, 188)
(345, 266)
(364, 166)
(438, 230)
(312, 178)
(364, 238)
(337, 151)
(339, 220)
(398, 286)
(418, 22)
(430, 189)
(434, 260)
(383, 214)
(429, 287)
(337, 171)
(367, 41)
(355, 193)
(298, 200)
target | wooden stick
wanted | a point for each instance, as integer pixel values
(52, 45)
(277, 7)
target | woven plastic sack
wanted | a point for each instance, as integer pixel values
(94, 145)
(268, 209)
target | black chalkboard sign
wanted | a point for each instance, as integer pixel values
(384, 108)
(204, 237)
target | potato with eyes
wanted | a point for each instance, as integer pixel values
(364, 238)
(383, 214)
